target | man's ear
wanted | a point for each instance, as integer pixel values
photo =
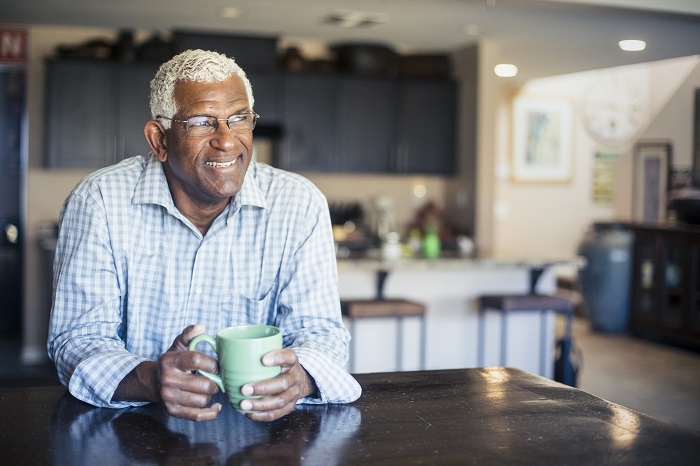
(155, 136)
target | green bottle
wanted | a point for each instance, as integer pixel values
(431, 244)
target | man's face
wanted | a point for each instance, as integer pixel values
(207, 170)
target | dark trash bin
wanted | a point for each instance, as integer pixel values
(605, 277)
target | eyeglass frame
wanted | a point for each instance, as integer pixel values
(216, 127)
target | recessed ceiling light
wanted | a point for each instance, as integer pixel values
(230, 12)
(355, 19)
(505, 70)
(632, 45)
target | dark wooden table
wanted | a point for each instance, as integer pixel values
(472, 416)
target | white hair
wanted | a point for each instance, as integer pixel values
(191, 65)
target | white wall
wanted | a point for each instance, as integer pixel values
(550, 218)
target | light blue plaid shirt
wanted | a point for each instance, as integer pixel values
(131, 272)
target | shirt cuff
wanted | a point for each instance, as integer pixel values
(96, 379)
(334, 383)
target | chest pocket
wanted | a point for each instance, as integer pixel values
(240, 309)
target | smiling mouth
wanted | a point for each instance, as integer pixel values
(220, 164)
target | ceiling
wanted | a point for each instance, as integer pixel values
(542, 37)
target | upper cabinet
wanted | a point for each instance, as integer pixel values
(346, 124)
(266, 92)
(328, 123)
(366, 119)
(308, 143)
(95, 112)
(426, 127)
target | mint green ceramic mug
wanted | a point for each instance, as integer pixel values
(240, 350)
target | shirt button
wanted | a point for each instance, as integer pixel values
(198, 291)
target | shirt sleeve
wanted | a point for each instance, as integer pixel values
(85, 326)
(309, 309)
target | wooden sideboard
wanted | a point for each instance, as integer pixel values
(665, 301)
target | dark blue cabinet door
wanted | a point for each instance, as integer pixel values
(426, 127)
(366, 124)
(309, 137)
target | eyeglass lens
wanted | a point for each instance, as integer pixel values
(203, 125)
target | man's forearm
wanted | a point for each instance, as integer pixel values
(141, 384)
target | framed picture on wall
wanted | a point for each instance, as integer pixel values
(652, 171)
(542, 140)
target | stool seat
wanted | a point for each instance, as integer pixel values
(381, 308)
(525, 302)
(355, 309)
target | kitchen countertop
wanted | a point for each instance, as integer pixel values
(448, 262)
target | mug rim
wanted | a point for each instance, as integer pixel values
(232, 328)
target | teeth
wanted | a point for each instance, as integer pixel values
(220, 164)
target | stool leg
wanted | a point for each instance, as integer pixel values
(543, 342)
(569, 318)
(480, 340)
(423, 334)
(504, 337)
(399, 343)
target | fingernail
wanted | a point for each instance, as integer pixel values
(246, 405)
(247, 390)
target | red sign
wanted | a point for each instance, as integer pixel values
(13, 45)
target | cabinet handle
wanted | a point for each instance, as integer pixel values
(11, 233)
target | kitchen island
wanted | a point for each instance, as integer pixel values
(449, 287)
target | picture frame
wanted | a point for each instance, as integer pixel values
(651, 180)
(542, 140)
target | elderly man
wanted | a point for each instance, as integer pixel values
(155, 250)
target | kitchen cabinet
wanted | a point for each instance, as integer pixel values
(426, 126)
(309, 124)
(95, 111)
(665, 301)
(266, 91)
(366, 123)
(347, 124)
(10, 290)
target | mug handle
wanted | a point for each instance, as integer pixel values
(193, 346)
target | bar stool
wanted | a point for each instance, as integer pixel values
(355, 309)
(506, 304)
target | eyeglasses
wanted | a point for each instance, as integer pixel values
(204, 125)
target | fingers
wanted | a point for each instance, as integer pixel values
(286, 358)
(185, 394)
(279, 395)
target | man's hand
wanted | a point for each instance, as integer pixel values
(279, 395)
(172, 380)
(184, 393)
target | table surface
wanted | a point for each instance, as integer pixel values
(490, 415)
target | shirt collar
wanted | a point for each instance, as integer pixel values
(152, 188)
(250, 193)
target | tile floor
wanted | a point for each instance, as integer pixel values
(654, 379)
(658, 380)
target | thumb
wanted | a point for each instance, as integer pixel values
(183, 340)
